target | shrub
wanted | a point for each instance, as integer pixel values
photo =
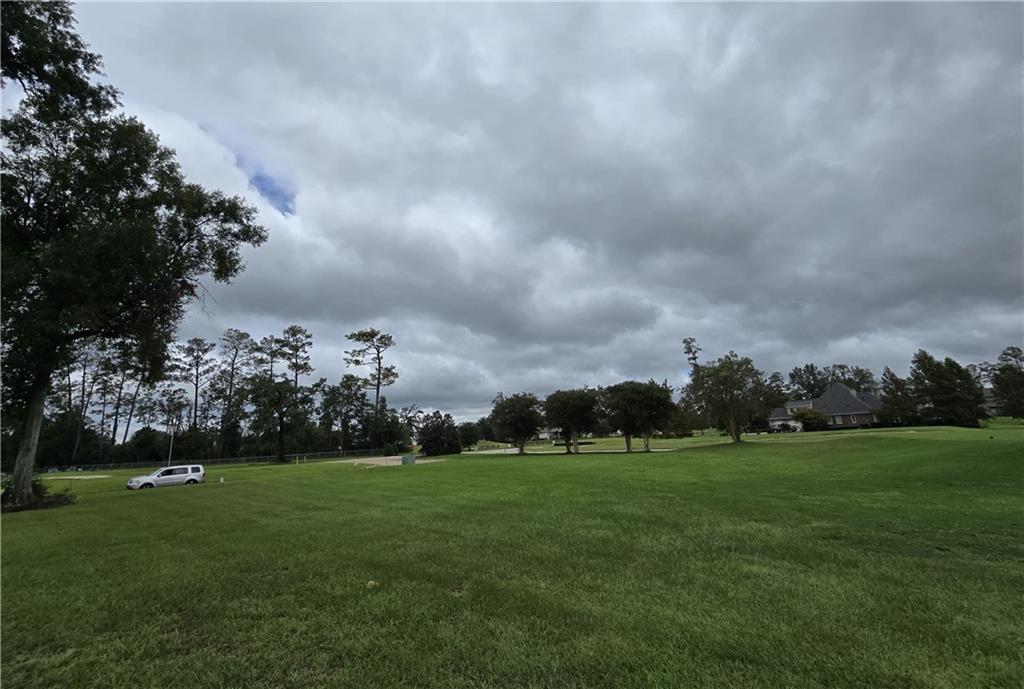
(811, 419)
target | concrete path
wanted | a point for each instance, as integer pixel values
(561, 451)
(394, 460)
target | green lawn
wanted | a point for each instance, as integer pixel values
(860, 559)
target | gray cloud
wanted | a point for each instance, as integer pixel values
(532, 197)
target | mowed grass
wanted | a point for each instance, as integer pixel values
(858, 559)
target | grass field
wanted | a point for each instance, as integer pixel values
(861, 559)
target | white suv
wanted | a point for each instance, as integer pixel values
(180, 475)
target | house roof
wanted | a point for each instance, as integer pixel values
(870, 399)
(839, 399)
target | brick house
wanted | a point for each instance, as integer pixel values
(845, 408)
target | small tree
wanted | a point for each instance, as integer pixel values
(811, 419)
(517, 418)
(638, 409)
(438, 435)
(729, 391)
(469, 435)
(573, 412)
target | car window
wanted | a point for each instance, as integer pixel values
(179, 471)
(166, 472)
(196, 470)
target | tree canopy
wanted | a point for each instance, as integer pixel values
(84, 191)
(728, 391)
(517, 418)
(638, 409)
(572, 412)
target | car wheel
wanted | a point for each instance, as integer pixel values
(191, 482)
(145, 485)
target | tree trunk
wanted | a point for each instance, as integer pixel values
(734, 430)
(647, 442)
(568, 443)
(84, 410)
(131, 410)
(25, 461)
(195, 402)
(117, 407)
(280, 439)
(575, 441)
(521, 443)
(629, 442)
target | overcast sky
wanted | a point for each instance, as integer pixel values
(538, 197)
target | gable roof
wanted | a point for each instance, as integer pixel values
(839, 399)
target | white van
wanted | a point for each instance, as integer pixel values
(178, 475)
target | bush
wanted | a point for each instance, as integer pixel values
(439, 435)
(811, 419)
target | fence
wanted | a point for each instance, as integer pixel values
(260, 459)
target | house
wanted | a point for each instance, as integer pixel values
(845, 408)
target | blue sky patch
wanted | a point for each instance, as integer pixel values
(273, 191)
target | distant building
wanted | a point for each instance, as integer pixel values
(845, 408)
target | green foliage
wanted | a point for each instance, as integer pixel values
(294, 345)
(811, 419)
(344, 408)
(103, 238)
(469, 434)
(945, 392)
(516, 418)
(899, 406)
(43, 53)
(638, 409)
(572, 412)
(487, 431)
(438, 435)
(1008, 382)
(728, 392)
(371, 344)
(809, 381)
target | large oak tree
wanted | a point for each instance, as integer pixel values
(102, 235)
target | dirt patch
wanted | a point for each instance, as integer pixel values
(393, 461)
(76, 478)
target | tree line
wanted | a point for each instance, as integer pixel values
(732, 395)
(238, 396)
